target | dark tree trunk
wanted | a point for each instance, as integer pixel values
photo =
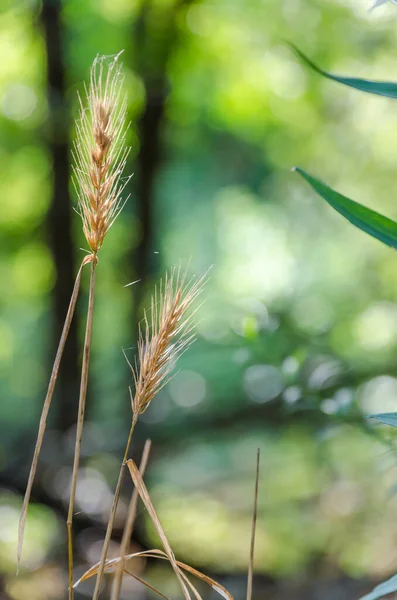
(153, 51)
(149, 127)
(59, 218)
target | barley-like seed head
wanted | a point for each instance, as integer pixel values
(100, 152)
(166, 332)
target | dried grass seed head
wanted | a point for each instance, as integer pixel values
(100, 151)
(164, 334)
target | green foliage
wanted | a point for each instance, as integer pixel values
(387, 587)
(379, 88)
(367, 220)
(385, 418)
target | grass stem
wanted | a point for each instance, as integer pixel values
(253, 531)
(112, 515)
(80, 421)
(131, 515)
(46, 408)
(144, 494)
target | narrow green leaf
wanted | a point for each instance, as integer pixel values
(386, 418)
(387, 587)
(380, 227)
(380, 88)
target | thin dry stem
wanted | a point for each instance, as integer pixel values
(46, 408)
(131, 515)
(165, 335)
(109, 528)
(100, 151)
(144, 494)
(146, 584)
(80, 421)
(254, 517)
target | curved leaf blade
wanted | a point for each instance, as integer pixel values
(380, 227)
(387, 89)
(385, 418)
(387, 587)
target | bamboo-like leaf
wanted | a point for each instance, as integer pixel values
(385, 418)
(379, 88)
(380, 227)
(387, 587)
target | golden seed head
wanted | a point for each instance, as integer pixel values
(100, 152)
(166, 333)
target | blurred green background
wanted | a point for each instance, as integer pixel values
(297, 338)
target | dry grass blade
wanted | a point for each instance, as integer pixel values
(111, 563)
(186, 579)
(94, 570)
(160, 554)
(109, 528)
(80, 420)
(166, 333)
(46, 408)
(100, 151)
(254, 517)
(131, 515)
(146, 584)
(217, 587)
(144, 494)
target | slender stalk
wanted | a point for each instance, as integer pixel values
(116, 498)
(252, 546)
(80, 421)
(144, 494)
(46, 408)
(131, 515)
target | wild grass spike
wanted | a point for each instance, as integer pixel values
(100, 152)
(166, 333)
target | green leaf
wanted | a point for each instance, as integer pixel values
(380, 227)
(380, 88)
(387, 587)
(386, 418)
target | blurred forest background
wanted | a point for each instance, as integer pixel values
(297, 339)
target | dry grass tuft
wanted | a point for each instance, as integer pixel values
(167, 332)
(100, 155)
(100, 151)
